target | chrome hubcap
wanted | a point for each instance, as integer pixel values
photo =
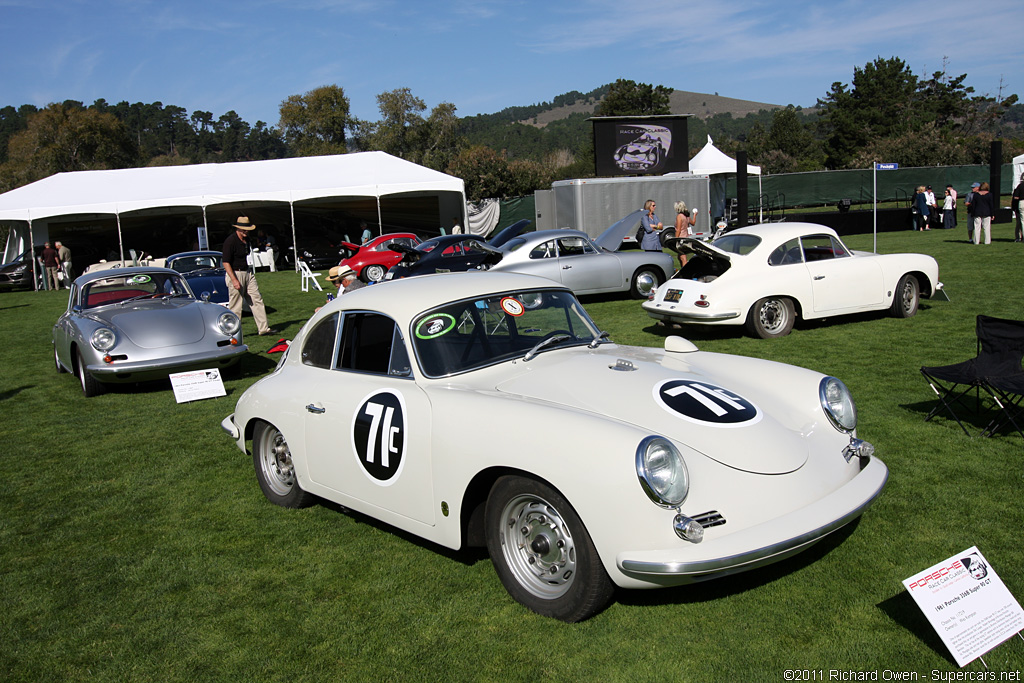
(645, 283)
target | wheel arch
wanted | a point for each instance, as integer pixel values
(924, 283)
(474, 500)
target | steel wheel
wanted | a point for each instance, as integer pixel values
(771, 317)
(374, 273)
(90, 385)
(907, 298)
(274, 468)
(538, 547)
(542, 552)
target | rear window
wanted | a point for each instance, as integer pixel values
(737, 244)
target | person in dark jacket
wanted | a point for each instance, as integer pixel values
(1017, 206)
(983, 209)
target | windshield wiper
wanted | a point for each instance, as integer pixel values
(548, 341)
(597, 340)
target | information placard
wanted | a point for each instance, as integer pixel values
(197, 384)
(967, 604)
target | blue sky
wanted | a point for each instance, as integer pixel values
(484, 55)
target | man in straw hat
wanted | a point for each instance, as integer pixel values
(241, 281)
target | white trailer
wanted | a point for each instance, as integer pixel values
(593, 204)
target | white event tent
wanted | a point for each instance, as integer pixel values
(284, 181)
(1018, 170)
(712, 161)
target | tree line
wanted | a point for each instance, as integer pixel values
(885, 113)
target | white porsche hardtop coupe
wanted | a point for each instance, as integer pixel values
(486, 408)
(766, 275)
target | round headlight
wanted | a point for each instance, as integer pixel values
(838, 404)
(228, 323)
(103, 339)
(662, 472)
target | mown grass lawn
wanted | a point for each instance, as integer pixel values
(135, 544)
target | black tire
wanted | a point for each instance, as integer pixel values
(542, 552)
(90, 385)
(907, 297)
(771, 317)
(643, 282)
(274, 469)
(374, 273)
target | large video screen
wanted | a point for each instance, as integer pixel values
(641, 145)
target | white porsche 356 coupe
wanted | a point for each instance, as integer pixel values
(766, 275)
(486, 408)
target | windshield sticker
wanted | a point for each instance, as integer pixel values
(513, 307)
(435, 325)
(138, 279)
(379, 436)
(705, 403)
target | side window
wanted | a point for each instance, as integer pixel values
(318, 349)
(371, 342)
(818, 248)
(546, 250)
(786, 253)
(838, 248)
(574, 246)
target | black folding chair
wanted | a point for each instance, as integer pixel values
(1000, 350)
(1008, 393)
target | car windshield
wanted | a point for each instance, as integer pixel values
(475, 333)
(737, 244)
(119, 288)
(187, 264)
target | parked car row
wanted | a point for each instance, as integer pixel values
(622, 467)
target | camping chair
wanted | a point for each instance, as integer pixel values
(1008, 393)
(1000, 349)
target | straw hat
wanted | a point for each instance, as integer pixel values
(243, 223)
(339, 273)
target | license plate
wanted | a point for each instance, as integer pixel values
(673, 295)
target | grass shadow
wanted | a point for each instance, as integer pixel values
(11, 393)
(902, 609)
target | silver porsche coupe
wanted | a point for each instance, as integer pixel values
(138, 324)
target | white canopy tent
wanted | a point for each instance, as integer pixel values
(365, 174)
(1018, 170)
(712, 161)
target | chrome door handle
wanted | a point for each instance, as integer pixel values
(566, 267)
(316, 410)
(819, 277)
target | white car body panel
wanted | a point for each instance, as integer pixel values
(573, 417)
(854, 283)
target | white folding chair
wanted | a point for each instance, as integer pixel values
(308, 276)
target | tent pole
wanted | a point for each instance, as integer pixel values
(295, 245)
(380, 221)
(120, 240)
(32, 255)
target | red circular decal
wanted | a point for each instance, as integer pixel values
(512, 306)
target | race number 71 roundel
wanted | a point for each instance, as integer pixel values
(705, 403)
(379, 436)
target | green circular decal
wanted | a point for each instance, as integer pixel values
(139, 279)
(435, 325)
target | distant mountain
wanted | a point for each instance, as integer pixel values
(539, 130)
(700, 105)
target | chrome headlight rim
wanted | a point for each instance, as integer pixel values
(228, 323)
(103, 339)
(837, 403)
(660, 494)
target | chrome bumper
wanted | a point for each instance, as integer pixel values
(765, 543)
(138, 371)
